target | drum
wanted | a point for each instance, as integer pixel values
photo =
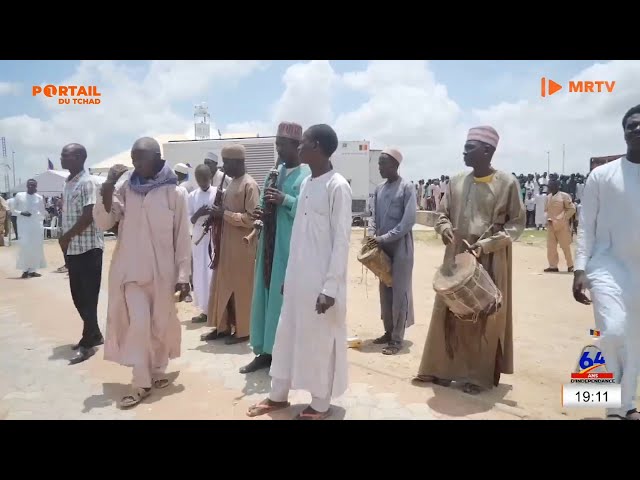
(377, 261)
(467, 288)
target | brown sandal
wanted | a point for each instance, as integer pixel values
(161, 383)
(135, 397)
(471, 389)
(266, 406)
(431, 379)
(310, 414)
(390, 350)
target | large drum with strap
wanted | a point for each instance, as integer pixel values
(466, 288)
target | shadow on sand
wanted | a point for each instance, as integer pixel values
(62, 352)
(189, 325)
(337, 413)
(257, 382)
(454, 402)
(218, 346)
(112, 393)
(369, 347)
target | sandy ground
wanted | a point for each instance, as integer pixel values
(550, 330)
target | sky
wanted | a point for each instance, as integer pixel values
(423, 108)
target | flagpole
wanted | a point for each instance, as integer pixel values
(13, 162)
(563, 158)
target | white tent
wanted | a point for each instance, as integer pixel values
(124, 158)
(51, 182)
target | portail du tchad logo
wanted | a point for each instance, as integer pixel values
(69, 94)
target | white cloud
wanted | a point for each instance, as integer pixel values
(588, 124)
(307, 97)
(136, 101)
(404, 106)
(408, 108)
(9, 88)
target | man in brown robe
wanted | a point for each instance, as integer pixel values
(232, 288)
(484, 208)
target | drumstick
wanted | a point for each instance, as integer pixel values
(450, 254)
(471, 250)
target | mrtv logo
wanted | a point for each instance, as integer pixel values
(591, 367)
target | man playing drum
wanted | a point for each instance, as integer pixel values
(484, 208)
(394, 214)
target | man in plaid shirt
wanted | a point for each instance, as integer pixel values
(83, 245)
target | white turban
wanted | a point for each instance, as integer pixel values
(393, 153)
(211, 156)
(181, 168)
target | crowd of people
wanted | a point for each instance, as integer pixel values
(269, 265)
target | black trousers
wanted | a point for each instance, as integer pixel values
(85, 275)
(14, 222)
(531, 218)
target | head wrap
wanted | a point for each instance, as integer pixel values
(211, 156)
(394, 153)
(484, 134)
(181, 168)
(233, 152)
(290, 130)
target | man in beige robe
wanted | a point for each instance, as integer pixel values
(151, 263)
(232, 288)
(560, 209)
(484, 208)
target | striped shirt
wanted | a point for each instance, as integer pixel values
(79, 192)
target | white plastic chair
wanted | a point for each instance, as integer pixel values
(53, 228)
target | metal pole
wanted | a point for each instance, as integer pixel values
(548, 163)
(13, 162)
(563, 158)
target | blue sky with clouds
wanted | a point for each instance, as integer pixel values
(422, 105)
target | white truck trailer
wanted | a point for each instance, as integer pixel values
(261, 153)
(351, 160)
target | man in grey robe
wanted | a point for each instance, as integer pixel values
(394, 214)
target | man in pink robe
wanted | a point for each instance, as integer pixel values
(151, 262)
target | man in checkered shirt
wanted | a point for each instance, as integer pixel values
(83, 245)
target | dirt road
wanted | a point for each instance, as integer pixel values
(39, 323)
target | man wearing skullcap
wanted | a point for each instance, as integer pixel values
(211, 161)
(182, 172)
(273, 247)
(483, 207)
(310, 350)
(394, 215)
(232, 287)
(151, 263)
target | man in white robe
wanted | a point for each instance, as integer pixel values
(219, 179)
(29, 208)
(200, 203)
(310, 351)
(541, 209)
(608, 263)
(182, 170)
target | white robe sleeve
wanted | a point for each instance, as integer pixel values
(182, 237)
(587, 222)
(16, 207)
(40, 212)
(340, 220)
(371, 229)
(106, 220)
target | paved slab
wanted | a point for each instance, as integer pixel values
(38, 323)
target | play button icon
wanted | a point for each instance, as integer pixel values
(548, 86)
